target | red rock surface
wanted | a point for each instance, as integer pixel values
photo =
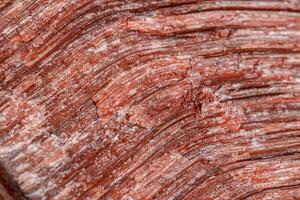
(150, 99)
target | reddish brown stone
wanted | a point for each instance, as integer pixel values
(160, 99)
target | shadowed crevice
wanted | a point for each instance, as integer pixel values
(10, 185)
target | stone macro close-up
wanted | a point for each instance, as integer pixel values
(150, 99)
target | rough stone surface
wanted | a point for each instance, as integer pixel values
(150, 99)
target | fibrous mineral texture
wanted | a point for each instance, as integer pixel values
(150, 99)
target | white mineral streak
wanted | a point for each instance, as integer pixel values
(101, 48)
(255, 143)
(32, 121)
(5, 151)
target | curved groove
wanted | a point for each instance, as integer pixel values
(133, 152)
(265, 189)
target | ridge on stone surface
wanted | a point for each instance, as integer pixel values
(150, 99)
